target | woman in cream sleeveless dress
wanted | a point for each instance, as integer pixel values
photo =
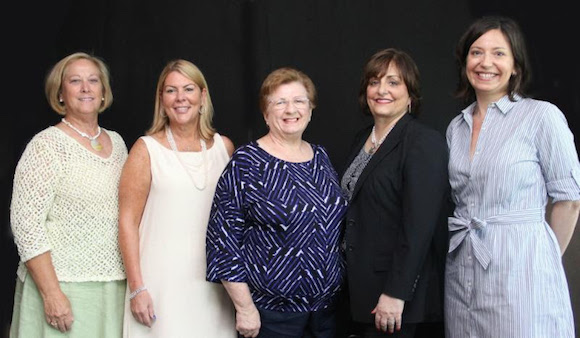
(172, 246)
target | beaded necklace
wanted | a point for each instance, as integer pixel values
(171, 141)
(374, 139)
(94, 142)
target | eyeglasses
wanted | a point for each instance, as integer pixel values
(298, 102)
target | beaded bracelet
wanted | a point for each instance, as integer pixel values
(136, 292)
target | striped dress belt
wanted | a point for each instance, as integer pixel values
(461, 227)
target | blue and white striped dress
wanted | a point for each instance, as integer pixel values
(504, 274)
(276, 226)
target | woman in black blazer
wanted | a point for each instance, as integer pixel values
(396, 235)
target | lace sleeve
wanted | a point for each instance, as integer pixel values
(33, 194)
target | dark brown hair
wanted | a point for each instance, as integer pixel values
(513, 34)
(377, 66)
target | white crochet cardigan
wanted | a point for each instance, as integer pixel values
(65, 200)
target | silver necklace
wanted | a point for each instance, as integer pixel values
(374, 139)
(94, 142)
(171, 141)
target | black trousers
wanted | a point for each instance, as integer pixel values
(408, 330)
(317, 324)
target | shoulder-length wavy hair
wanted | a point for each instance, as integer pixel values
(192, 72)
(519, 82)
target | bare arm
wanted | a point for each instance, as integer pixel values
(57, 307)
(229, 145)
(247, 315)
(133, 192)
(563, 219)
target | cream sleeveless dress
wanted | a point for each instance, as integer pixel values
(172, 247)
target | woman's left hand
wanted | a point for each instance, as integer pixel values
(388, 313)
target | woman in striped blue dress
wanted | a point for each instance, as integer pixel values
(509, 156)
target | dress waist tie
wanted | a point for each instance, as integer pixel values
(461, 227)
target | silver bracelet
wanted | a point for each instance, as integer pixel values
(136, 292)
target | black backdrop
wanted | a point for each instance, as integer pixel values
(237, 43)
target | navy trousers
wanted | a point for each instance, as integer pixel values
(317, 324)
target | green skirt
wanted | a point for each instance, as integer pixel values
(97, 307)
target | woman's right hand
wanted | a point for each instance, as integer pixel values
(57, 308)
(247, 315)
(248, 322)
(58, 312)
(142, 308)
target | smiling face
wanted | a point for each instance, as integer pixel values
(489, 65)
(181, 98)
(387, 97)
(288, 111)
(82, 89)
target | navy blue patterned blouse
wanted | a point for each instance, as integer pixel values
(276, 226)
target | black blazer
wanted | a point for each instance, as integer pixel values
(396, 225)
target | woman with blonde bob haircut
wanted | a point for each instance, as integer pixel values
(55, 78)
(64, 212)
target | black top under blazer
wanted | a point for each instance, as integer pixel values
(396, 231)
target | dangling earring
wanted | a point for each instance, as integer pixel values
(409, 108)
(60, 99)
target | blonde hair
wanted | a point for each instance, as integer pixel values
(189, 70)
(54, 79)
